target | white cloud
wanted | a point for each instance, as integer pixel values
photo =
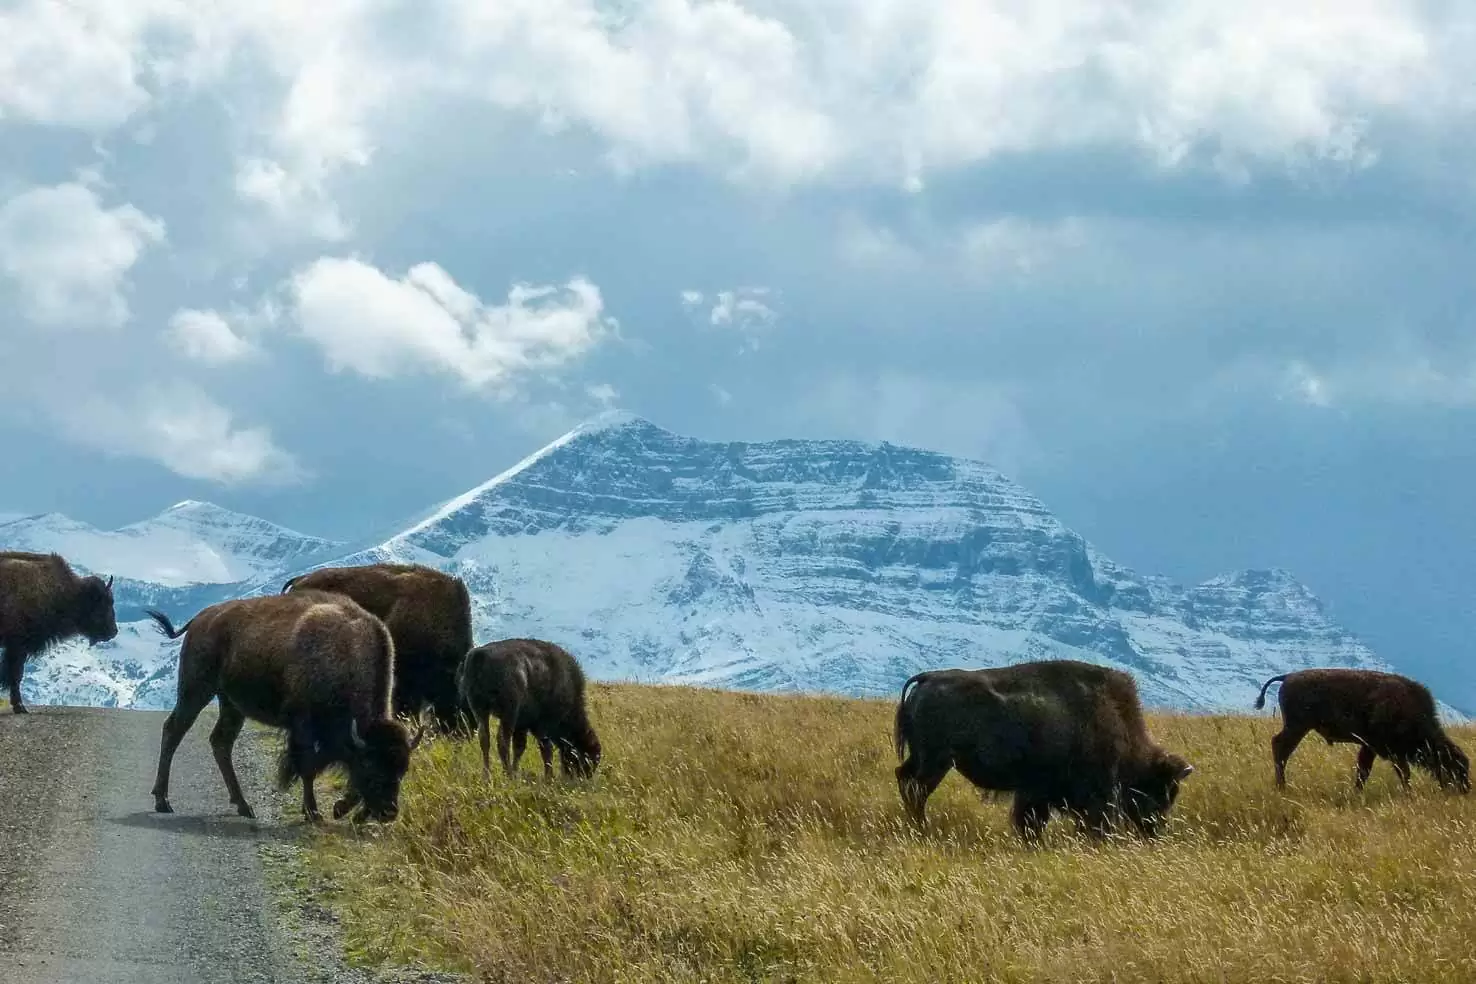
(181, 428)
(69, 256)
(603, 394)
(974, 421)
(742, 309)
(1392, 379)
(380, 327)
(206, 337)
(1011, 246)
(777, 91)
(722, 396)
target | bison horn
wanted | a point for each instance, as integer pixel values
(419, 734)
(1185, 771)
(110, 582)
(354, 735)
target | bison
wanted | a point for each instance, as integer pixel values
(1060, 734)
(313, 663)
(428, 614)
(44, 602)
(531, 686)
(1384, 714)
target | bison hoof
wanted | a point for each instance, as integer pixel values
(312, 816)
(341, 808)
(162, 806)
(244, 809)
(19, 709)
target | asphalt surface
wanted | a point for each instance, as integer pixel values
(96, 887)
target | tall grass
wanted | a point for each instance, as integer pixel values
(732, 837)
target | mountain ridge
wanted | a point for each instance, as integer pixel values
(829, 565)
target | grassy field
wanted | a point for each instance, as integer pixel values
(731, 837)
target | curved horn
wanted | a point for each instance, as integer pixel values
(354, 735)
(110, 582)
(419, 734)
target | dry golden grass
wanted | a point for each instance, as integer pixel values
(731, 837)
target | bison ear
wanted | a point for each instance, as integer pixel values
(354, 735)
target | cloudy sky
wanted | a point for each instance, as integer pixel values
(1199, 274)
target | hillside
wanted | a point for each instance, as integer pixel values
(830, 566)
(732, 837)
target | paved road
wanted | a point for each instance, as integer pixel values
(95, 887)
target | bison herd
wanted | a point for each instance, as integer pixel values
(341, 655)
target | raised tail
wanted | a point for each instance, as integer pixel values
(902, 724)
(165, 626)
(1261, 699)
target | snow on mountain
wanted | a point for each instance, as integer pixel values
(816, 565)
(191, 555)
(189, 543)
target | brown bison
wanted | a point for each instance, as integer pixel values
(1384, 714)
(44, 602)
(313, 663)
(531, 686)
(1060, 734)
(427, 612)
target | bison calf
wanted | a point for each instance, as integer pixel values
(1060, 734)
(1384, 714)
(44, 602)
(530, 686)
(428, 614)
(312, 663)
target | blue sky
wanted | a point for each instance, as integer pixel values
(1199, 275)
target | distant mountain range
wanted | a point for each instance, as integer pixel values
(834, 566)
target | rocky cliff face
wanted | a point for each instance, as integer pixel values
(816, 565)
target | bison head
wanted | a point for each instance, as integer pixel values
(1448, 763)
(1149, 795)
(95, 615)
(380, 760)
(580, 758)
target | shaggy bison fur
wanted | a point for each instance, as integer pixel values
(428, 614)
(530, 686)
(1060, 734)
(1384, 714)
(44, 602)
(313, 663)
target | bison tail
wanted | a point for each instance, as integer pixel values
(165, 626)
(902, 724)
(1261, 698)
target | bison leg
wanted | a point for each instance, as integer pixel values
(222, 740)
(546, 751)
(1283, 743)
(300, 746)
(14, 665)
(179, 721)
(504, 737)
(1365, 766)
(484, 738)
(916, 782)
(1029, 817)
(1401, 769)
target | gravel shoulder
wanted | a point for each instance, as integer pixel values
(95, 887)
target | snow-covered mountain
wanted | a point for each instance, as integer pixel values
(787, 565)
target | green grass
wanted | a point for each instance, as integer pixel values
(731, 837)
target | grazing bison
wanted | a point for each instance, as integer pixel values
(1060, 734)
(530, 685)
(427, 612)
(43, 602)
(1384, 714)
(313, 663)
